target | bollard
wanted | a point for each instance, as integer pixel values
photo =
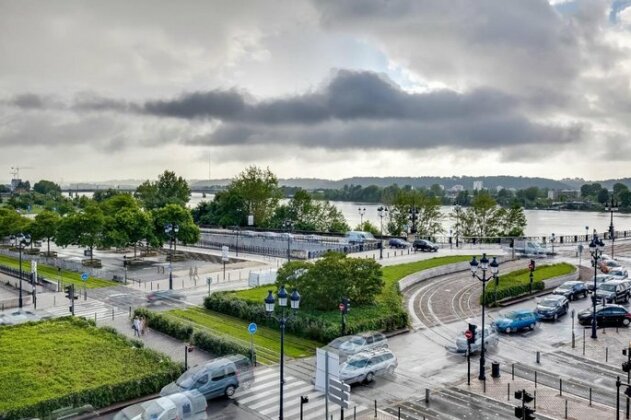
(152, 286)
(590, 396)
(573, 340)
(513, 371)
(228, 276)
(427, 396)
(565, 408)
(112, 314)
(399, 413)
(560, 387)
(535, 378)
(388, 255)
(54, 302)
(606, 354)
(95, 317)
(484, 386)
(534, 399)
(583, 341)
(508, 392)
(375, 408)
(182, 283)
(158, 286)
(538, 357)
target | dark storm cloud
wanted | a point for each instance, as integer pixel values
(349, 96)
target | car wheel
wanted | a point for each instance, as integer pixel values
(230, 390)
(507, 330)
(625, 322)
(571, 297)
(556, 316)
(369, 377)
(532, 326)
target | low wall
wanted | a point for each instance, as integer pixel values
(557, 281)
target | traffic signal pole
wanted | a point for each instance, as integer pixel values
(628, 377)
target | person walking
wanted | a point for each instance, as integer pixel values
(142, 323)
(136, 326)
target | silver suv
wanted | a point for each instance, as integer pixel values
(364, 366)
(352, 344)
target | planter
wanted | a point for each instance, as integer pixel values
(94, 263)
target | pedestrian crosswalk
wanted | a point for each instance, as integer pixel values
(91, 309)
(263, 396)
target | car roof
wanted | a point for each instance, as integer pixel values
(554, 297)
(573, 282)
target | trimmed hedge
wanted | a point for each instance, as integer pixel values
(314, 325)
(213, 344)
(508, 292)
(100, 395)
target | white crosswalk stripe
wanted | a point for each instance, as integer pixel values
(87, 309)
(263, 397)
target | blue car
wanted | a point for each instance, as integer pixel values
(516, 320)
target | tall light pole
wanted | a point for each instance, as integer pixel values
(457, 209)
(586, 233)
(282, 320)
(383, 211)
(361, 216)
(611, 207)
(484, 266)
(413, 212)
(596, 247)
(21, 241)
(171, 229)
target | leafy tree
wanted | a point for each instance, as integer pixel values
(603, 196)
(322, 283)
(202, 213)
(307, 214)
(625, 198)
(46, 187)
(84, 228)
(259, 190)
(102, 195)
(512, 221)
(118, 202)
(427, 212)
(168, 189)
(227, 209)
(590, 190)
(11, 222)
(45, 226)
(128, 227)
(175, 214)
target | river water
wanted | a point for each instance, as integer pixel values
(540, 222)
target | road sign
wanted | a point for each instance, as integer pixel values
(224, 254)
(209, 280)
(468, 334)
(341, 306)
(252, 328)
(84, 276)
(339, 393)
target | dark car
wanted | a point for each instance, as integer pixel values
(552, 307)
(608, 315)
(600, 279)
(424, 245)
(164, 295)
(571, 290)
(613, 291)
(398, 243)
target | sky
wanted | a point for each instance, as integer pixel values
(113, 90)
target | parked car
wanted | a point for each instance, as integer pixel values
(608, 315)
(572, 290)
(19, 316)
(182, 405)
(600, 279)
(607, 265)
(364, 366)
(491, 338)
(619, 273)
(424, 245)
(552, 307)
(352, 344)
(218, 377)
(398, 243)
(359, 237)
(515, 321)
(613, 291)
(164, 295)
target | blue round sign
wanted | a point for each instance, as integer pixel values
(252, 328)
(84, 276)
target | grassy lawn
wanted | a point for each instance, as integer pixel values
(266, 340)
(52, 273)
(53, 359)
(542, 272)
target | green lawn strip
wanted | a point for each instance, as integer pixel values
(52, 273)
(265, 338)
(52, 359)
(543, 272)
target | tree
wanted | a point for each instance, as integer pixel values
(128, 227)
(84, 228)
(366, 226)
(11, 222)
(102, 195)
(482, 217)
(307, 214)
(324, 282)
(46, 187)
(227, 209)
(45, 226)
(175, 214)
(168, 189)
(512, 221)
(590, 190)
(603, 196)
(259, 190)
(427, 216)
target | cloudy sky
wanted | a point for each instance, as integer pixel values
(104, 90)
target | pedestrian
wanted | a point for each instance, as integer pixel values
(136, 327)
(141, 323)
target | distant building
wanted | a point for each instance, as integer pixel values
(15, 182)
(478, 185)
(456, 188)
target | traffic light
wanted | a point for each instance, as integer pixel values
(627, 392)
(531, 266)
(626, 366)
(472, 328)
(524, 412)
(71, 295)
(346, 302)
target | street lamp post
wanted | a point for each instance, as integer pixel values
(552, 239)
(383, 211)
(611, 207)
(413, 212)
(457, 209)
(282, 320)
(586, 233)
(21, 241)
(596, 247)
(484, 266)
(171, 229)
(361, 216)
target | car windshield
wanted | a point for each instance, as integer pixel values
(549, 302)
(338, 342)
(187, 379)
(357, 364)
(608, 287)
(512, 315)
(566, 286)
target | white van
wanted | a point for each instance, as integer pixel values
(358, 237)
(185, 405)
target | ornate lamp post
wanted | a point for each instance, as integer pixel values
(596, 247)
(413, 213)
(457, 210)
(282, 320)
(383, 211)
(171, 229)
(21, 242)
(611, 207)
(361, 211)
(484, 266)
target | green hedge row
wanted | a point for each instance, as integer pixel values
(213, 344)
(309, 325)
(103, 395)
(509, 292)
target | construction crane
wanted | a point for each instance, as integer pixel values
(15, 171)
